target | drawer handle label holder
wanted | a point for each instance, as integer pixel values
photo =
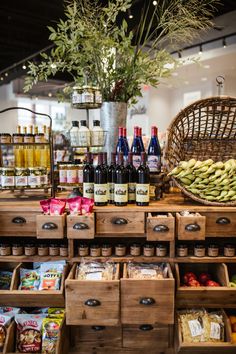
(92, 302)
(223, 221)
(147, 301)
(192, 227)
(161, 228)
(146, 327)
(80, 226)
(18, 220)
(119, 221)
(98, 328)
(49, 226)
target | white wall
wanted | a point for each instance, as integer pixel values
(8, 120)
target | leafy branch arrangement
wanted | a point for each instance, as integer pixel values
(91, 44)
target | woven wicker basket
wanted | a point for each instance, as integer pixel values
(205, 129)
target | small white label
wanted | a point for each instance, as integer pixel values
(150, 272)
(62, 176)
(215, 330)
(80, 176)
(154, 163)
(76, 98)
(87, 97)
(94, 276)
(72, 176)
(43, 180)
(111, 190)
(142, 193)
(136, 160)
(8, 181)
(121, 193)
(88, 190)
(34, 181)
(195, 328)
(100, 193)
(21, 181)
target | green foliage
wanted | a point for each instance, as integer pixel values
(90, 46)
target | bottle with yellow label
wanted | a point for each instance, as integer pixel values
(143, 182)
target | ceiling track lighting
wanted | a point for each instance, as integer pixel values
(224, 43)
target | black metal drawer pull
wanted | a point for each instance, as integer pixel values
(92, 302)
(161, 228)
(80, 226)
(18, 220)
(146, 327)
(223, 221)
(147, 301)
(119, 221)
(192, 227)
(49, 226)
(98, 328)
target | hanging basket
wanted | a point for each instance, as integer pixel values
(206, 129)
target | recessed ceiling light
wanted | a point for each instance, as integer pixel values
(175, 73)
(207, 66)
(204, 78)
(131, 16)
(154, 3)
(6, 74)
(2, 78)
(23, 66)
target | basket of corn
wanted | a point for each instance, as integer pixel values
(201, 151)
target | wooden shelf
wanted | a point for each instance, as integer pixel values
(192, 259)
(126, 259)
(31, 258)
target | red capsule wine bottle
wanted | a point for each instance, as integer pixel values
(132, 175)
(100, 183)
(88, 177)
(121, 183)
(143, 183)
(112, 178)
(136, 148)
(154, 152)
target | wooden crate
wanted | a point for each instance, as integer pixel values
(91, 302)
(18, 224)
(220, 224)
(120, 223)
(145, 336)
(62, 344)
(80, 227)
(212, 297)
(12, 268)
(147, 301)
(206, 348)
(51, 226)
(160, 228)
(191, 227)
(35, 298)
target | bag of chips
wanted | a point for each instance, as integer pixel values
(75, 205)
(87, 206)
(57, 206)
(5, 320)
(50, 334)
(5, 279)
(50, 276)
(45, 205)
(29, 279)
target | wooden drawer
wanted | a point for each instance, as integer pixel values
(212, 297)
(80, 227)
(91, 302)
(51, 226)
(146, 336)
(35, 298)
(191, 227)
(120, 223)
(160, 227)
(206, 348)
(18, 224)
(220, 224)
(147, 301)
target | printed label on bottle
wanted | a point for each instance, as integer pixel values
(142, 193)
(111, 191)
(80, 176)
(215, 332)
(76, 98)
(195, 328)
(72, 176)
(154, 163)
(34, 181)
(8, 181)
(136, 160)
(121, 193)
(84, 138)
(62, 176)
(43, 180)
(94, 276)
(100, 193)
(132, 191)
(87, 97)
(97, 138)
(88, 190)
(17, 139)
(21, 181)
(98, 97)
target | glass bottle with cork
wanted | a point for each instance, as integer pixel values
(18, 138)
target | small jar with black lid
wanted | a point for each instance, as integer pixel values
(213, 250)
(83, 250)
(229, 250)
(182, 250)
(5, 249)
(120, 250)
(106, 250)
(95, 250)
(63, 250)
(148, 250)
(43, 249)
(161, 250)
(135, 249)
(199, 250)
(54, 249)
(30, 249)
(17, 249)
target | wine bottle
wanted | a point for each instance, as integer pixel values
(136, 148)
(100, 183)
(121, 183)
(88, 177)
(154, 152)
(120, 147)
(105, 165)
(112, 178)
(143, 182)
(126, 150)
(141, 139)
(132, 174)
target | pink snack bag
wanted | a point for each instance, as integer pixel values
(87, 205)
(57, 206)
(75, 205)
(45, 205)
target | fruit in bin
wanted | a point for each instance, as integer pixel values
(203, 278)
(233, 337)
(194, 282)
(232, 319)
(212, 283)
(233, 278)
(232, 285)
(188, 276)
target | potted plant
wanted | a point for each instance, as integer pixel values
(93, 43)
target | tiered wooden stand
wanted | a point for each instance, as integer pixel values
(126, 315)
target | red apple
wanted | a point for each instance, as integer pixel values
(187, 276)
(194, 283)
(204, 277)
(212, 283)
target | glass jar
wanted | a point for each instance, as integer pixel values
(182, 250)
(62, 174)
(76, 97)
(17, 249)
(148, 250)
(64, 250)
(5, 138)
(95, 250)
(106, 250)
(161, 250)
(43, 177)
(8, 178)
(229, 250)
(120, 250)
(83, 250)
(21, 177)
(135, 249)
(213, 250)
(34, 178)
(72, 177)
(30, 249)
(5, 249)
(199, 251)
(43, 249)
(97, 97)
(54, 249)
(87, 96)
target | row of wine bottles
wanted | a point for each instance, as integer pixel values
(116, 184)
(137, 147)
